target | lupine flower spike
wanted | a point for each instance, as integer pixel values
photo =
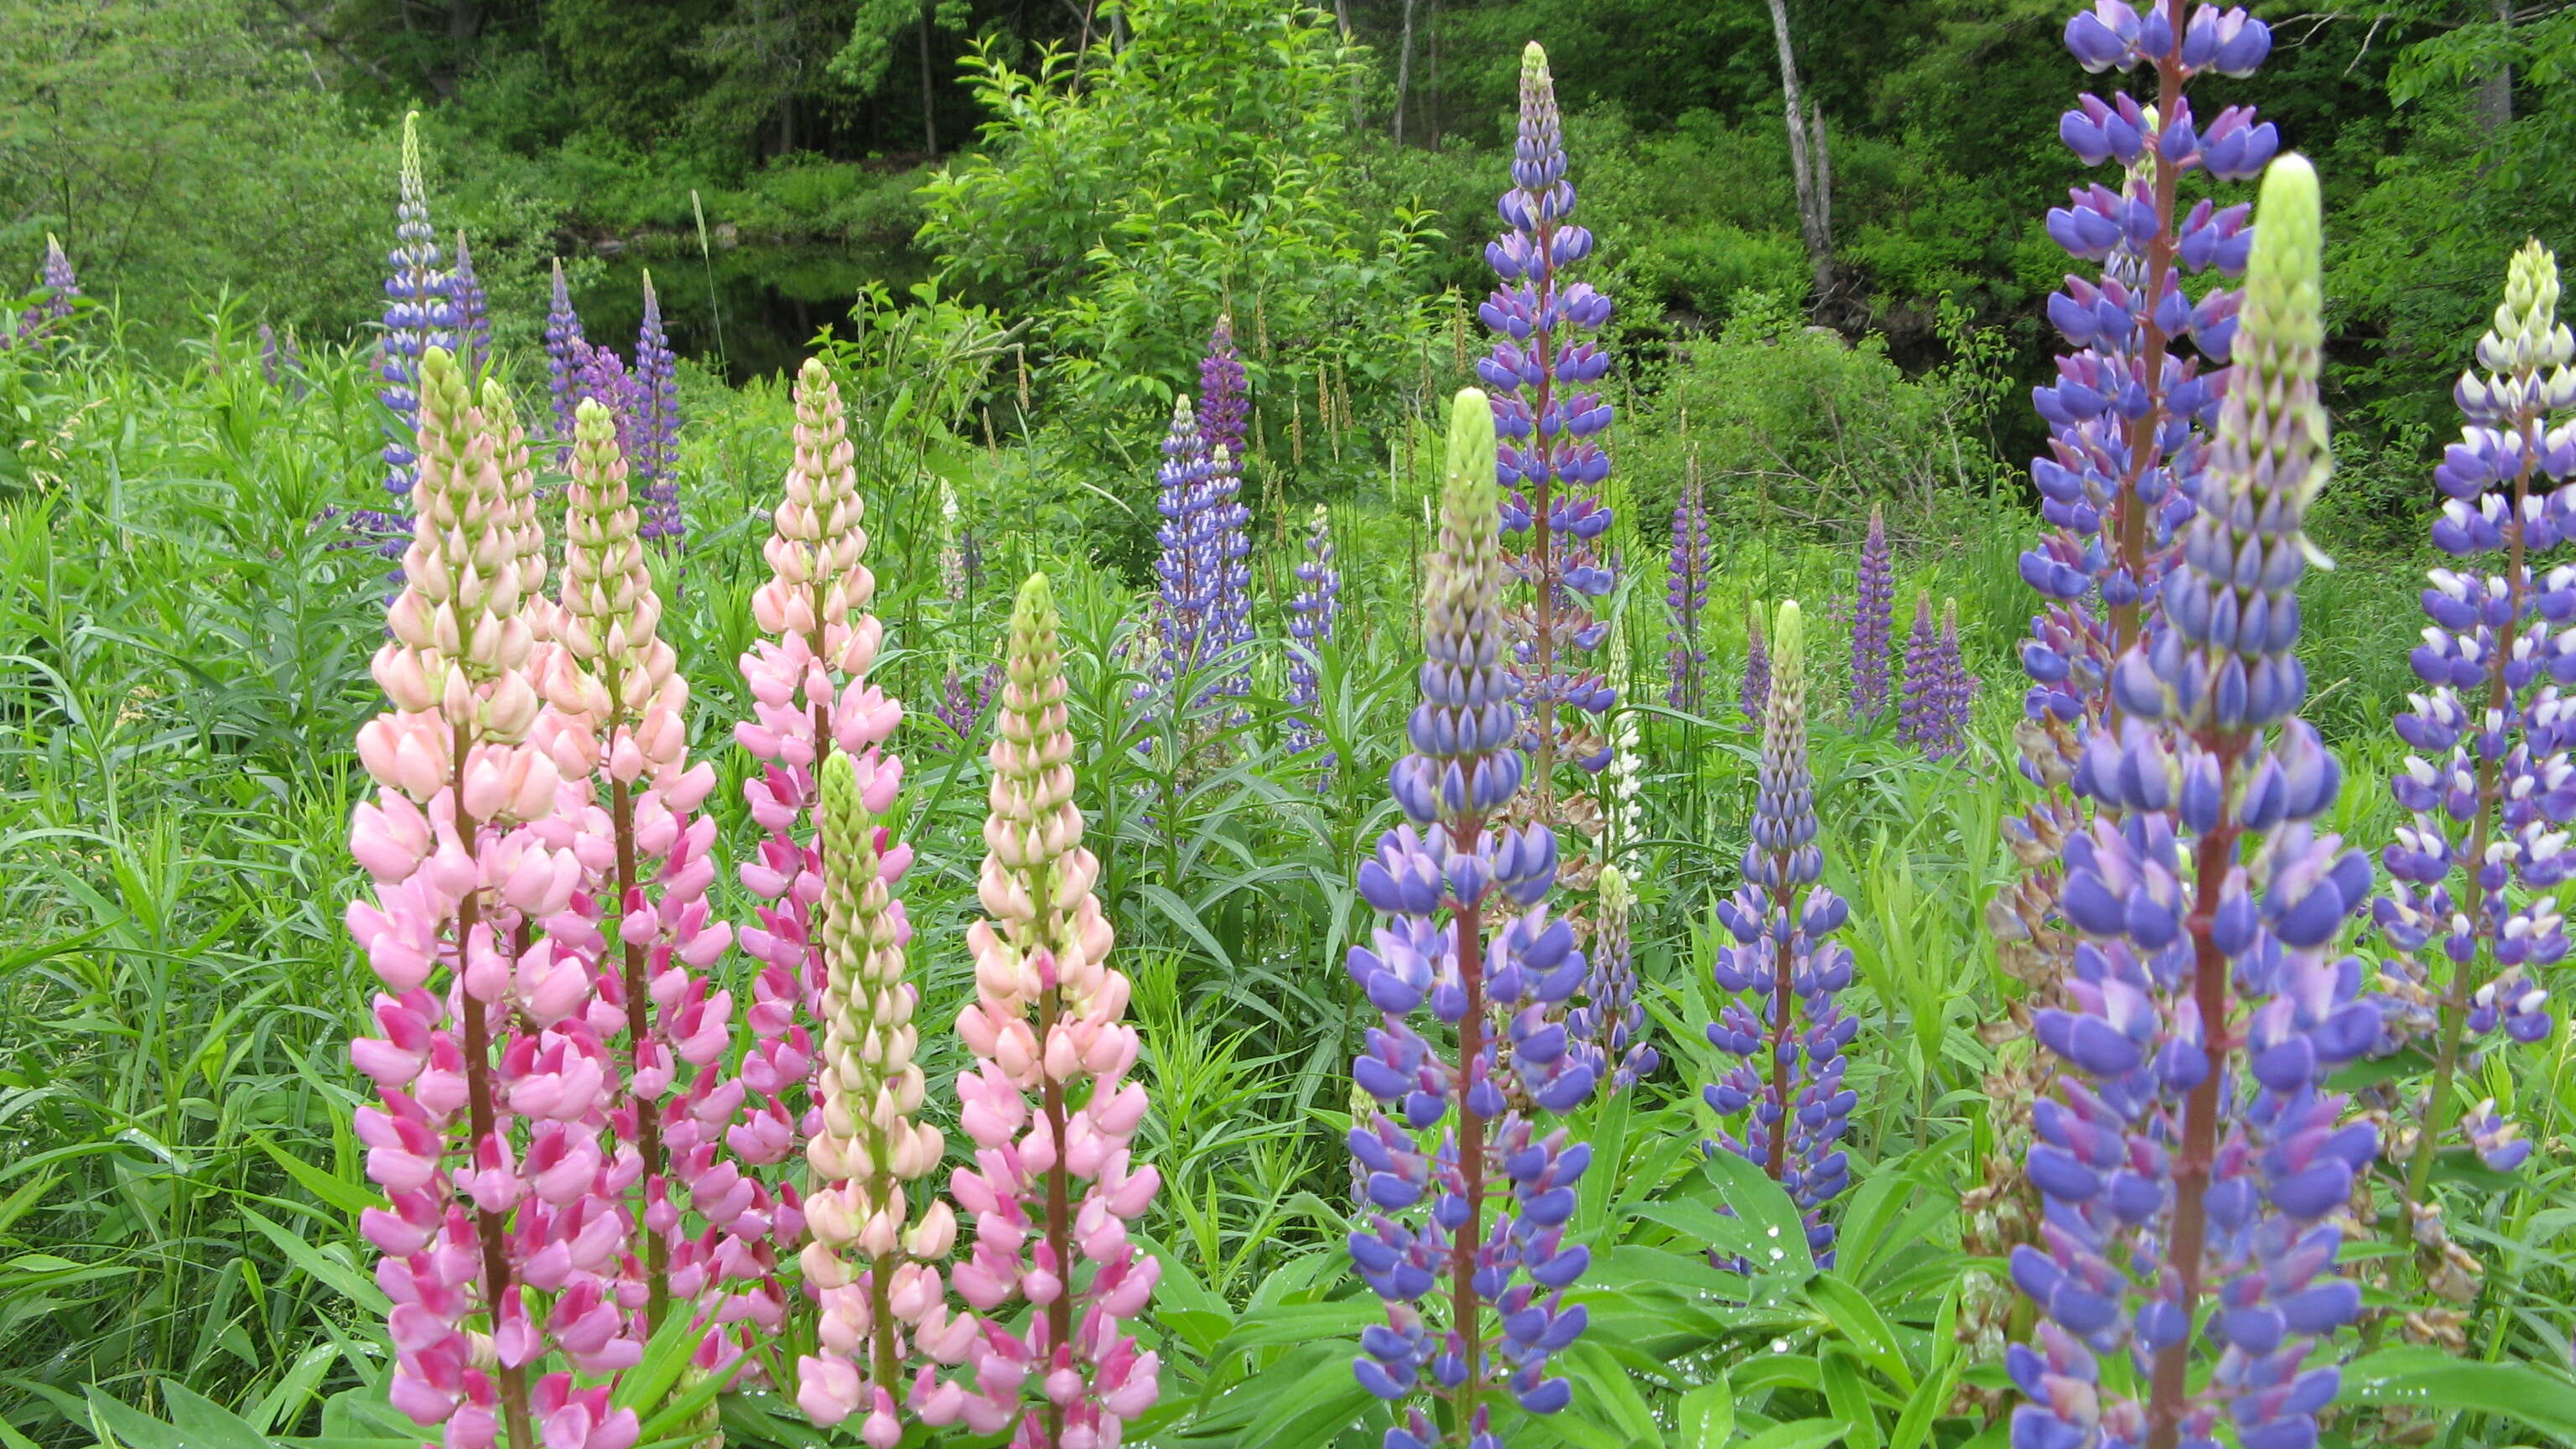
(2193, 1161)
(473, 319)
(618, 725)
(1542, 372)
(60, 288)
(281, 361)
(419, 314)
(1467, 958)
(1204, 611)
(1312, 615)
(810, 698)
(566, 352)
(1612, 1022)
(657, 427)
(1753, 696)
(492, 1089)
(1047, 1103)
(877, 1241)
(1958, 689)
(2129, 413)
(1784, 970)
(1921, 710)
(1873, 623)
(2491, 787)
(1222, 406)
(1686, 596)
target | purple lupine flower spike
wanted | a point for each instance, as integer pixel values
(1956, 688)
(657, 426)
(1454, 1118)
(2489, 782)
(1611, 1023)
(473, 318)
(1873, 624)
(1922, 711)
(60, 287)
(419, 314)
(1223, 406)
(2193, 1160)
(1203, 610)
(1784, 971)
(602, 377)
(2131, 406)
(1686, 596)
(962, 706)
(1312, 616)
(1753, 696)
(564, 348)
(1542, 371)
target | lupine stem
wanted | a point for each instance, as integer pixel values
(1465, 1308)
(489, 1227)
(2142, 432)
(639, 1025)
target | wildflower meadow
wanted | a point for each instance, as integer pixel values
(1280, 825)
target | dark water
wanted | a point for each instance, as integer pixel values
(770, 300)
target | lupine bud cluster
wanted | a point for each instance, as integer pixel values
(565, 353)
(1455, 973)
(1542, 371)
(1312, 615)
(2493, 785)
(419, 314)
(1204, 612)
(1623, 814)
(876, 1245)
(500, 1236)
(60, 288)
(618, 732)
(1873, 623)
(1047, 1103)
(2129, 415)
(1612, 1021)
(1686, 596)
(473, 313)
(2193, 1161)
(807, 675)
(1784, 970)
(657, 426)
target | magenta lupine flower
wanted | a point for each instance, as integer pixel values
(2492, 785)
(1873, 623)
(1783, 971)
(657, 427)
(1550, 420)
(1450, 983)
(565, 349)
(618, 731)
(1047, 1103)
(473, 319)
(877, 1243)
(1686, 595)
(500, 1234)
(1753, 696)
(811, 698)
(1223, 407)
(2193, 1160)
(1312, 616)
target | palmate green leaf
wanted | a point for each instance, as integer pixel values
(1871, 1337)
(1605, 1395)
(1706, 1416)
(2428, 1379)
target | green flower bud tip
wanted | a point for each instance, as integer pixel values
(1034, 622)
(843, 821)
(1468, 507)
(1788, 648)
(1617, 897)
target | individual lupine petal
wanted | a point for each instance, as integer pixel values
(2166, 1165)
(1424, 1224)
(1050, 1181)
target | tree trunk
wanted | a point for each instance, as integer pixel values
(2495, 93)
(1403, 71)
(929, 97)
(1809, 166)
